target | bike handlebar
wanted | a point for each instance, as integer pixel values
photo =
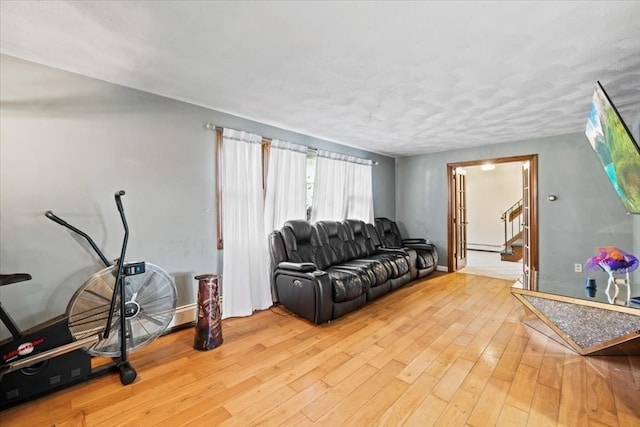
(118, 196)
(64, 223)
(54, 218)
(119, 286)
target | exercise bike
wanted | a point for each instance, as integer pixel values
(118, 310)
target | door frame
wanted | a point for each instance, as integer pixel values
(533, 203)
(458, 209)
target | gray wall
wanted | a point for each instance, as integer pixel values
(68, 142)
(586, 215)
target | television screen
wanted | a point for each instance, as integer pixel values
(616, 149)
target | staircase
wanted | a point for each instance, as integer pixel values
(512, 249)
(512, 219)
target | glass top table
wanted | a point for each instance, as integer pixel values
(604, 323)
(576, 287)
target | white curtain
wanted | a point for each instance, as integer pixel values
(329, 197)
(245, 281)
(360, 192)
(286, 194)
(342, 189)
(286, 191)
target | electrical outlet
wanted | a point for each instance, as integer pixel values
(577, 268)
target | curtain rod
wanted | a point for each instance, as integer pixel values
(211, 126)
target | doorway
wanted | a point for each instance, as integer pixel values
(457, 216)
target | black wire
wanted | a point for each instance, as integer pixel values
(286, 313)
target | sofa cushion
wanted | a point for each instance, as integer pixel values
(427, 256)
(331, 233)
(425, 259)
(335, 235)
(396, 263)
(348, 284)
(359, 235)
(302, 244)
(389, 233)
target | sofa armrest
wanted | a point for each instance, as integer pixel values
(423, 246)
(398, 251)
(382, 250)
(305, 267)
(306, 293)
(426, 248)
(413, 240)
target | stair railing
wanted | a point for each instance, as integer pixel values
(512, 219)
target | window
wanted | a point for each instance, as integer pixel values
(357, 185)
(311, 177)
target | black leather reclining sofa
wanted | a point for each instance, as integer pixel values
(328, 269)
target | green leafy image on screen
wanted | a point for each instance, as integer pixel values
(616, 149)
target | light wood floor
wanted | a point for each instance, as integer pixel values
(447, 351)
(489, 264)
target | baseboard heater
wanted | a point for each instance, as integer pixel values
(484, 247)
(186, 316)
(183, 317)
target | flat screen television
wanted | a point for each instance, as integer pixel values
(615, 148)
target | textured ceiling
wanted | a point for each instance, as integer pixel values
(397, 78)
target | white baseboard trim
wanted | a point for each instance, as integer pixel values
(183, 315)
(484, 247)
(442, 268)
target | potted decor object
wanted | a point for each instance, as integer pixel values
(615, 262)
